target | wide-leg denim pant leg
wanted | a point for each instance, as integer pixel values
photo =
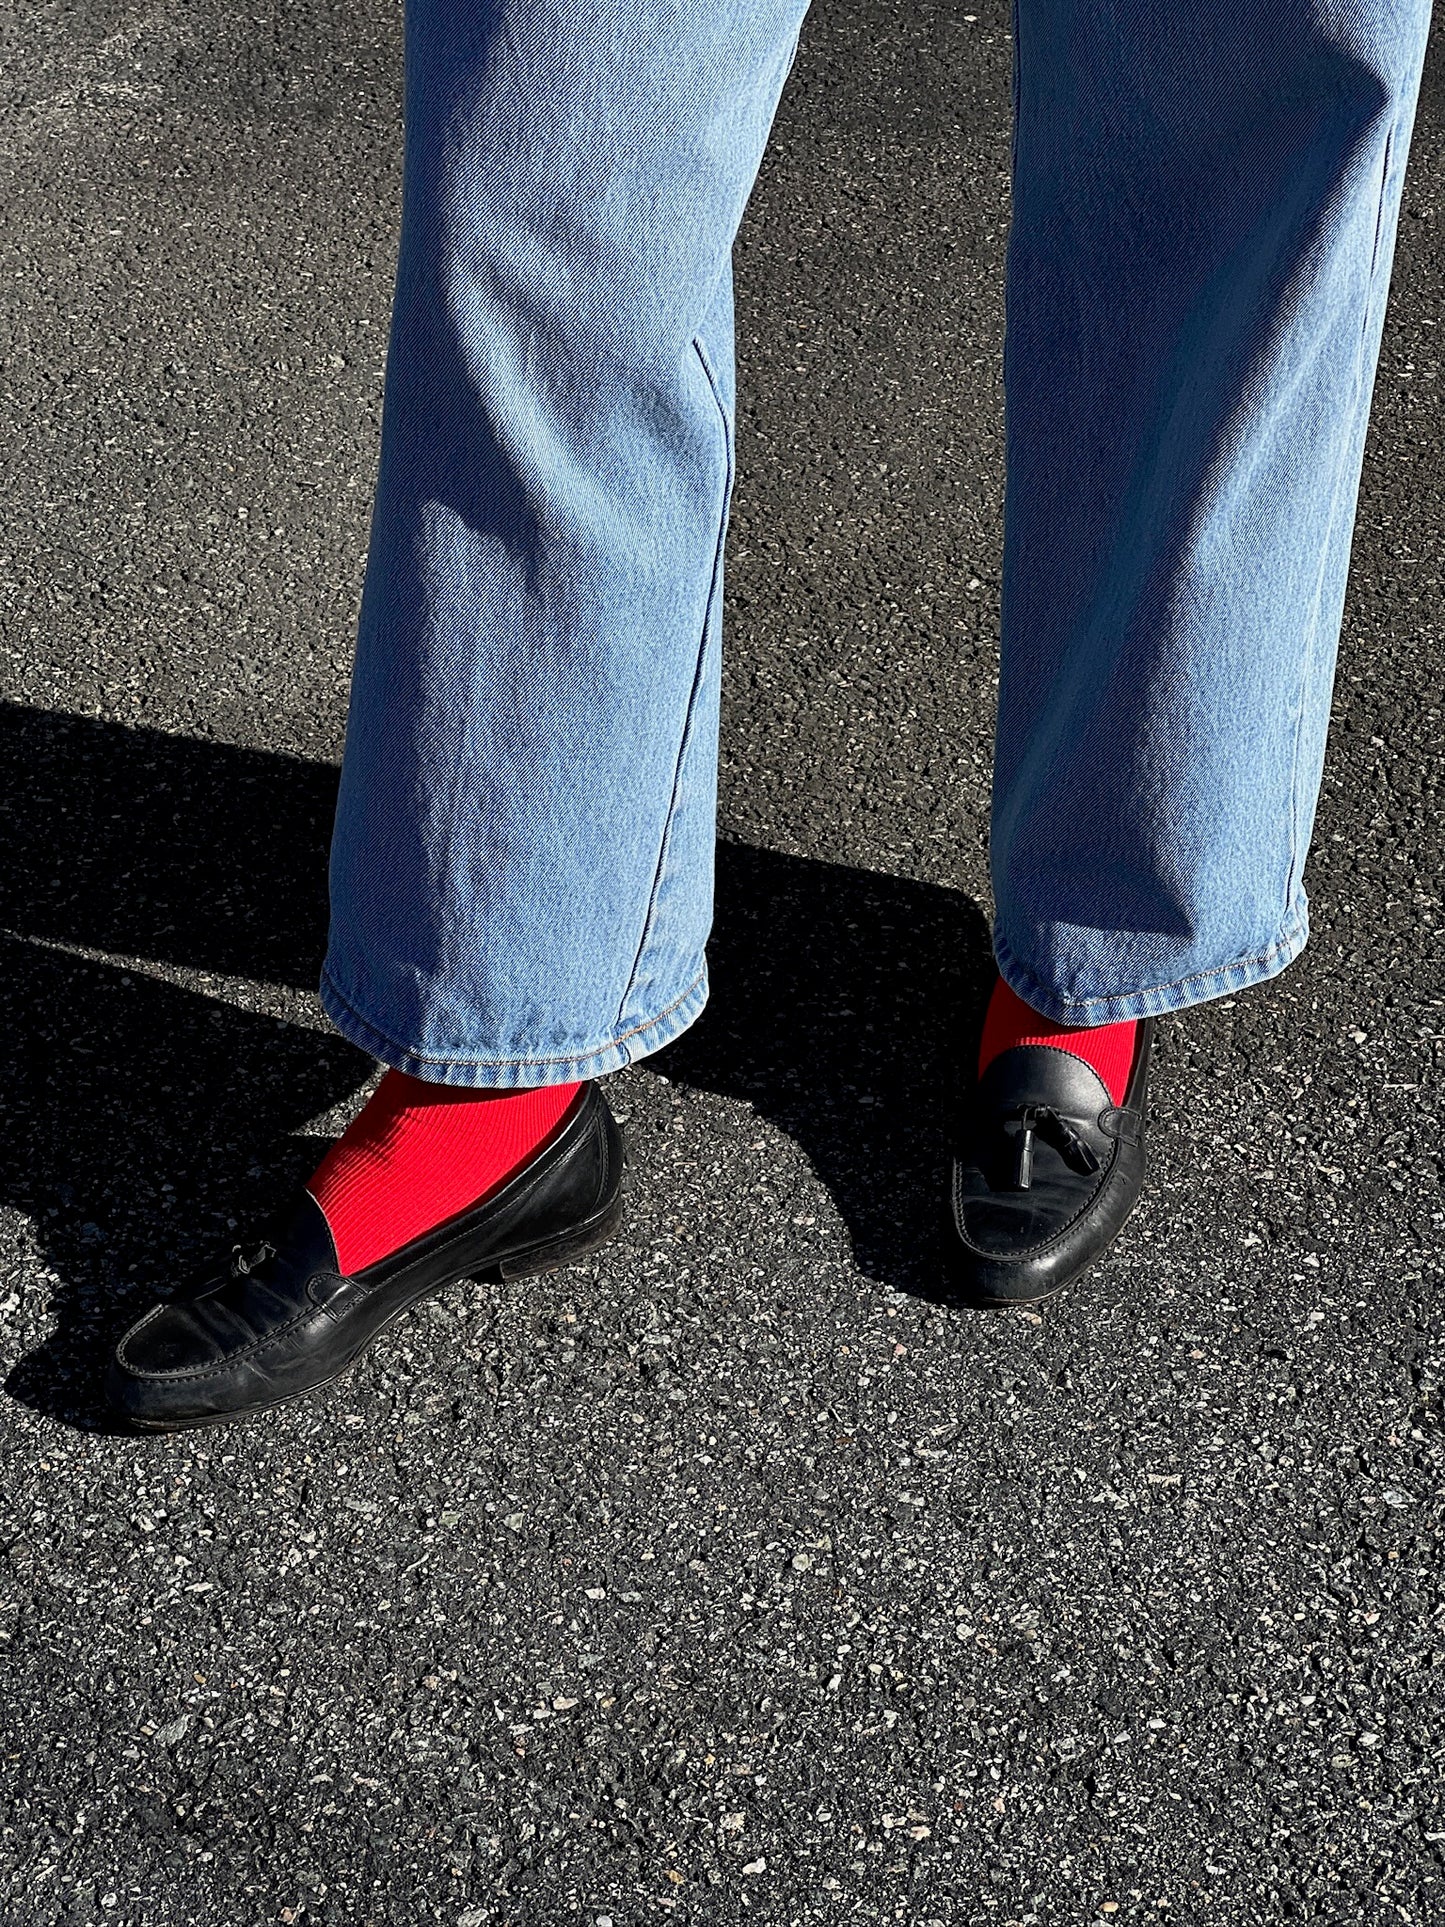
(1206, 194)
(523, 854)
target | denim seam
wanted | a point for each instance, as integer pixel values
(1016, 90)
(793, 54)
(1296, 855)
(510, 1063)
(674, 801)
(1216, 974)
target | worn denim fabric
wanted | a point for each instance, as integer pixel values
(1205, 202)
(1205, 206)
(522, 864)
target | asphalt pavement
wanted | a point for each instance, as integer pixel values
(734, 1577)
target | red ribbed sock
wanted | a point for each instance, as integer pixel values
(419, 1153)
(1109, 1048)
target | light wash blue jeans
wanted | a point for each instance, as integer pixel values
(1205, 200)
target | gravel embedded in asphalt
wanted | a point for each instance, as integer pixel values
(732, 1577)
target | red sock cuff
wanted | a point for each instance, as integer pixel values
(419, 1153)
(1108, 1048)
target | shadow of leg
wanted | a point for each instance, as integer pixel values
(140, 1118)
(845, 1007)
(143, 844)
(143, 1119)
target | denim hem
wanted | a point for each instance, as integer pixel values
(516, 1073)
(1157, 1000)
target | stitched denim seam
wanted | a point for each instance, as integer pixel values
(1296, 855)
(1216, 972)
(1016, 90)
(508, 1063)
(675, 799)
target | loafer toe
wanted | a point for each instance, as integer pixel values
(168, 1340)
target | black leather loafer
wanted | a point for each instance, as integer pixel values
(1049, 1170)
(283, 1320)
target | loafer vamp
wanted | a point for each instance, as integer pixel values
(1049, 1170)
(199, 1332)
(210, 1345)
(997, 1213)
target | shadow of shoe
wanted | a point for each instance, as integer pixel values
(147, 1124)
(144, 1128)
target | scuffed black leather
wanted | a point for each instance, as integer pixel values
(283, 1319)
(1013, 1246)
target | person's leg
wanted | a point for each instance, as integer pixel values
(522, 861)
(1206, 199)
(1204, 215)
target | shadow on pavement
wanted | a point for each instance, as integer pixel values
(844, 1008)
(145, 1124)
